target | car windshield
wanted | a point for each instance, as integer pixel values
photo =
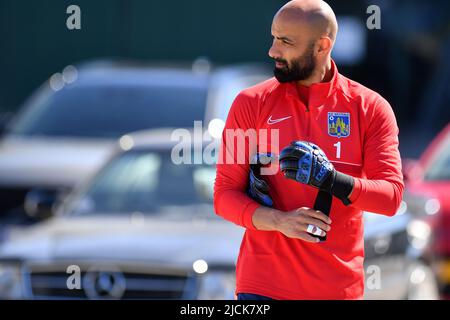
(439, 168)
(112, 110)
(146, 182)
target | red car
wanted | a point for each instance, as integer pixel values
(430, 176)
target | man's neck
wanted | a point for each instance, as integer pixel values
(323, 74)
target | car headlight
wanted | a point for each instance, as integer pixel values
(421, 205)
(10, 281)
(419, 233)
(217, 285)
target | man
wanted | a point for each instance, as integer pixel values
(337, 137)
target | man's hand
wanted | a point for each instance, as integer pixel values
(296, 224)
(306, 163)
(258, 189)
(300, 222)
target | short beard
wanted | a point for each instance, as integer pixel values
(302, 68)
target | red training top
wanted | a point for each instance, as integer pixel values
(358, 132)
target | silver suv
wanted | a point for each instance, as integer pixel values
(68, 128)
(143, 227)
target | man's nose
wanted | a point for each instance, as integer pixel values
(274, 53)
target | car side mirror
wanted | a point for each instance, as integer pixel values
(39, 204)
(412, 170)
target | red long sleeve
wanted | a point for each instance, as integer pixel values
(382, 190)
(230, 198)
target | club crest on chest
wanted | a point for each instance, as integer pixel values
(339, 124)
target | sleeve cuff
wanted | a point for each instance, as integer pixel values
(356, 190)
(247, 215)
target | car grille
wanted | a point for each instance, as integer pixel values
(12, 199)
(51, 284)
(12, 208)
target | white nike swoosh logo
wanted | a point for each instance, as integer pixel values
(270, 121)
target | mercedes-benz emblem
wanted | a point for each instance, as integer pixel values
(104, 283)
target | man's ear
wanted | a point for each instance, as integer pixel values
(325, 44)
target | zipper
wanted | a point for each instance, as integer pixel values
(308, 121)
(308, 124)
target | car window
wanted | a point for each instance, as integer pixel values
(224, 94)
(146, 182)
(112, 110)
(439, 167)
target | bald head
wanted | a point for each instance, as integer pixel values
(313, 16)
(304, 32)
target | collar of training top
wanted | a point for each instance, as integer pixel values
(318, 92)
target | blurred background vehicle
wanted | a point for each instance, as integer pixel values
(68, 127)
(56, 148)
(428, 183)
(145, 228)
(397, 261)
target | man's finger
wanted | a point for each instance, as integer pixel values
(289, 164)
(290, 174)
(318, 215)
(306, 237)
(314, 230)
(316, 222)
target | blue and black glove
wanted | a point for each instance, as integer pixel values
(258, 189)
(306, 163)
